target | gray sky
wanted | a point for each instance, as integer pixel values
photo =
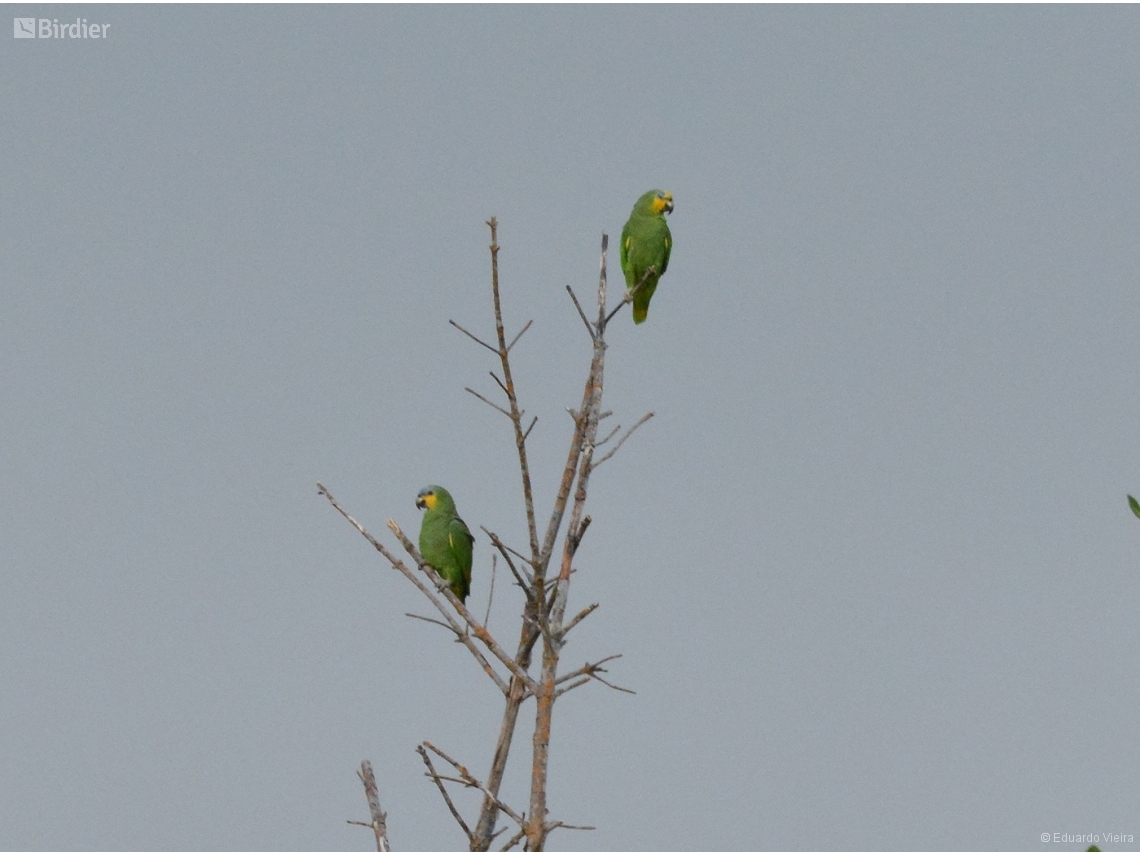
(871, 565)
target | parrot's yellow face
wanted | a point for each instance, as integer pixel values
(663, 202)
(426, 499)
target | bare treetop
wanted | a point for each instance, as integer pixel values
(545, 596)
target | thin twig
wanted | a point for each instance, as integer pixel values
(581, 314)
(533, 422)
(491, 596)
(609, 436)
(591, 670)
(581, 682)
(587, 669)
(582, 614)
(502, 547)
(613, 686)
(431, 620)
(514, 841)
(561, 824)
(502, 385)
(453, 780)
(626, 298)
(625, 436)
(514, 340)
(474, 338)
(485, 401)
(495, 541)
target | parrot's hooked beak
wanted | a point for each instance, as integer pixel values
(668, 204)
(420, 503)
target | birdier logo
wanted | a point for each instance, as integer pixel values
(51, 28)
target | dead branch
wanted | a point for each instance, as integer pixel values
(580, 682)
(579, 467)
(613, 686)
(474, 338)
(431, 773)
(588, 669)
(433, 620)
(564, 487)
(379, 824)
(580, 533)
(504, 357)
(560, 824)
(506, 551)
(578, 617)
(581, 314)
(491, 595)
(487, 402)
(626, 436)
(504, 547)
(520, 686)
(514, 841)
(489, 812)
(471, 781)
(609, 436)
(546, 597)
(475, 628)
(629, 295)
(501, 384)
(438, 582)
(515, 340)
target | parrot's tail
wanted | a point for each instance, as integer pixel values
(640, 313)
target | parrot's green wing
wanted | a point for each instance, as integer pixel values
(624, 253)
(462, 546)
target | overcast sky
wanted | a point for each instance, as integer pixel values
(871, 566)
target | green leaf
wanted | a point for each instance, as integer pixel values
(1135, 505)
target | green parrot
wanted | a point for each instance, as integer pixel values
(645, 243)
(445, 541)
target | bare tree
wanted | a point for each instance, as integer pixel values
(545, 587)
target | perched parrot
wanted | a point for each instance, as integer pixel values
(445, 541)
(645, 243)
